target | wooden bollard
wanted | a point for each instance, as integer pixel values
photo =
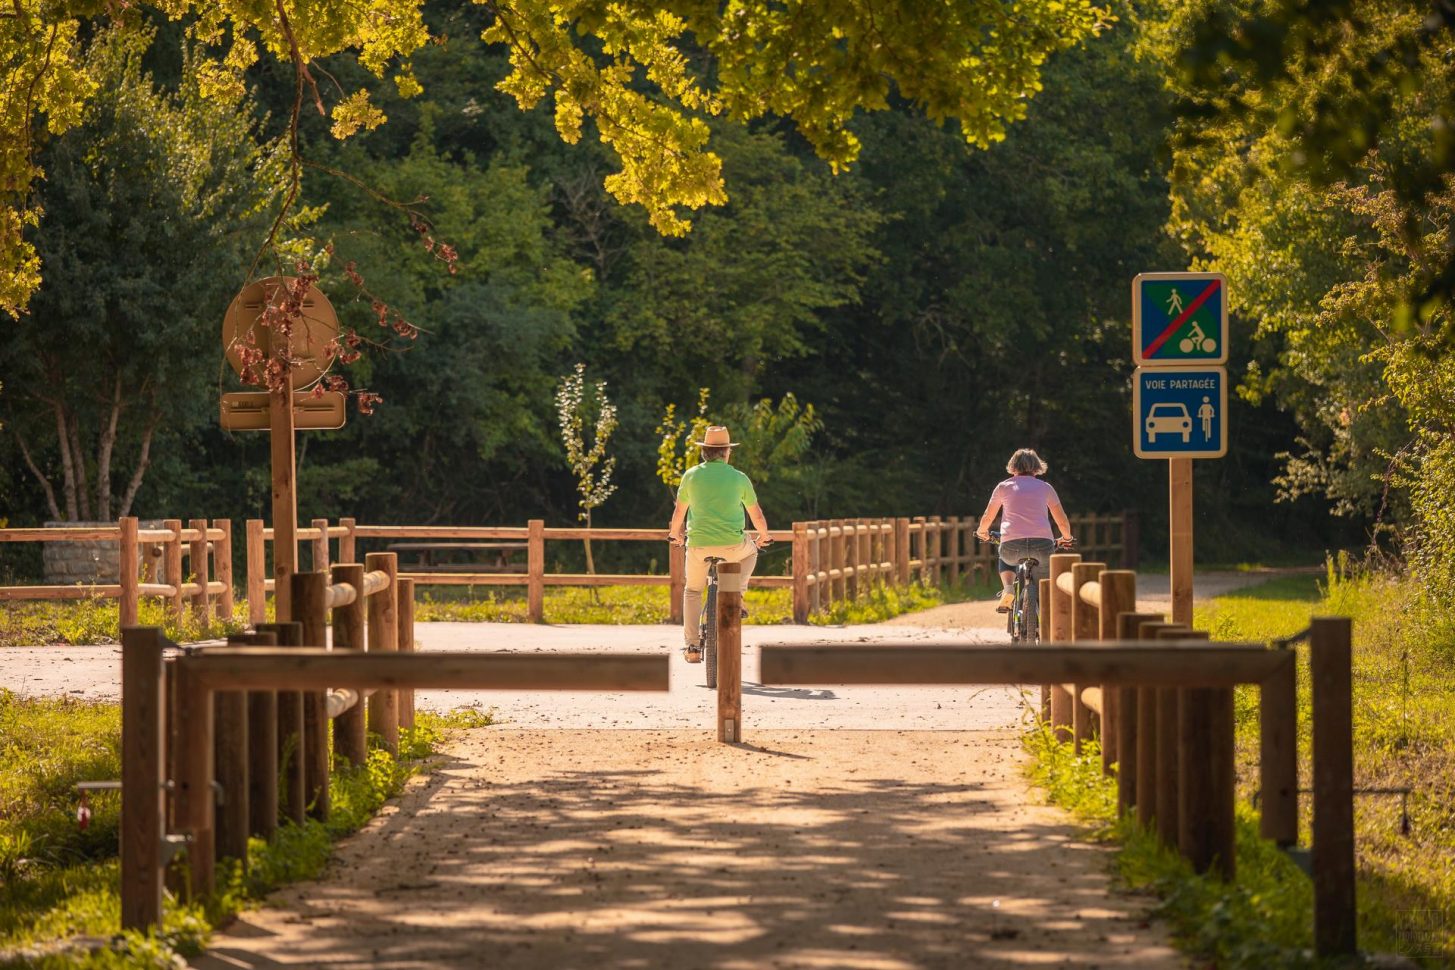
(192, 734)
(1084, 629)
(384, 638)
(263, 753)
(1168, 772)
(230, 758)
(1153, 743)
(1118, 596)
(800, 572)
(128, 574)
(174, 566)
(676, 581)
(309, 606)
(729, 654)
(535, 571)
(222, 559)
(143, 802)
(1129, 746)
(1278, 754)
(347, 542)
(321, 560)
(406, 645)
(1205, 778)
(1043, 626)
(290, 731)
(1330, 662)
(901, 551)
(350, 733)
(1062, 709)
(198, 559)
(257, 572)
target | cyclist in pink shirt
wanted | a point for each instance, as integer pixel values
(1026, 506)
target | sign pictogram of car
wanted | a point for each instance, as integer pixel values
(1169, 419)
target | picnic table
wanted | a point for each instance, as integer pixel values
(460, 557)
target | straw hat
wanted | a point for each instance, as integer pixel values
(716, 436)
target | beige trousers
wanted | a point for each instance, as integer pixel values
(744, 554)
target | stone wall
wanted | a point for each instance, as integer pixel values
(68, 563)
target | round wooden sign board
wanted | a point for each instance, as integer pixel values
(311, 333)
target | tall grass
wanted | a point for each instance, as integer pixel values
(94, 620)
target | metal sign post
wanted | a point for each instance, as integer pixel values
(307, 362)
(1180, 396)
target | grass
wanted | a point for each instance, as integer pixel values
(59, 882)
(1404, 736)
(98, 620)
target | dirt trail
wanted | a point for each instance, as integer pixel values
(880, 850)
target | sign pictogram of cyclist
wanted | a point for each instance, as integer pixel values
(1179, 318)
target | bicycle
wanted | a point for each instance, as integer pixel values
(707, 628)
(1023, 623)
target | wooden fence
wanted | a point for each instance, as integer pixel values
(149, 564)
(831, 561)
(1160, 698)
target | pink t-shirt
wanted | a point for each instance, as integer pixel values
(1025, 503)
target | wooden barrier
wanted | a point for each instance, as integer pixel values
(831, 561)
(1176, 660)
(206, 548)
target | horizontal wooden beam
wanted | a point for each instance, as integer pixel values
(1121, 663)
(61, 534)
(314, 668)
(59, 592)
(438, 532)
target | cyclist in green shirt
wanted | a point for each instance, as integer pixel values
(710, 504)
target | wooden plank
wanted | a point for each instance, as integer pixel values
(110, 591)
(310, 608)
(143, 805)
(1330, 658)
(201, 605)
(729, 655)
(406, 646)
(60, 534)
(1179, 505)
(313, 668)
(129, 570)
(536, 570)
(1117, 662)
(222, 560)
(383, 637)
(1278, 754)
(350, 732)
(257, 572)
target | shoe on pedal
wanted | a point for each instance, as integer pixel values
(1007, 597)
(693, 654)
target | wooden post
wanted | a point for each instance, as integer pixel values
(1118, 596)
(1168, 773)
(290, 729)
(535, 570)
(864, 556)
(836, 562)
(350, 734)
(320, 547)
(1043, 624)
(222, 560)
(1131, 540)
(800, 572)
(676, 580)
(384, 638)
(263, 753)
(1330, 659)
(285, 499)
(128, 573)
(309, 592)
(1152, 741)
(1129, 717)
(1084, 628)
(952, 554)
(1278, 754)
(174, 565)
(406, 645)
(192, 734)
(347, 543)
(230, 755)
(851, 557)
(1205, 776)
(197, 553)
(729, 655)
(1062, 709)
(256, 572)
(1179, 495)
(901, 552)
(143, 803)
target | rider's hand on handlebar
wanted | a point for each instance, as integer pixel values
(675, 540)
(1066, 542)
(762, 540)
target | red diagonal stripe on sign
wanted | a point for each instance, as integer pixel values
(1172, 327)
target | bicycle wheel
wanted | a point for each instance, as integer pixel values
(1031, 625)
(709, 635)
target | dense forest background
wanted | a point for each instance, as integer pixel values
(937, 305)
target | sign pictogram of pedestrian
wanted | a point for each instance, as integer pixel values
(1179, 412)
(1179, 318)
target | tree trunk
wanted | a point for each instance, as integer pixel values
(590, 565)
(103, 456)
(45, 484)
(78, 457)
(67, 466)
(141, 465)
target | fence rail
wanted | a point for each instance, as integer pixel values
(831, 561)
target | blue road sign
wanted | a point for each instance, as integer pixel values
(1179, 319)
(1180, 412)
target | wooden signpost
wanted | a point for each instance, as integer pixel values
(280, 411)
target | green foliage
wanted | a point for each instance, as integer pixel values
(98, 620)
(612, 605)
(879, 604)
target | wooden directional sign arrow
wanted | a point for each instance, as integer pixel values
(248, 411)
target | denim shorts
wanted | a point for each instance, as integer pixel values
(1012, 551)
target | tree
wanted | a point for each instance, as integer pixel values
(573, 411)
(152, 197)
(646, 77)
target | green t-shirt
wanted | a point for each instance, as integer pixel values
(715, 494)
